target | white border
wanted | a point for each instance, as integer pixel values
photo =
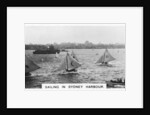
(18, 97)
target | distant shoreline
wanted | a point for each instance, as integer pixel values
(74, 46)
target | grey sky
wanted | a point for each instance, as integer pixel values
(79, 33)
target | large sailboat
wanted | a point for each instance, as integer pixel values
(69, 64)
(105, 58)
(30, 66)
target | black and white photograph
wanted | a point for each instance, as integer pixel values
(75, 57)
(75, 53)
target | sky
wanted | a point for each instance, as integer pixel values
(74, 33)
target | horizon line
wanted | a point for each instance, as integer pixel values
(71, 42)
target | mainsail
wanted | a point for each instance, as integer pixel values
(106, 57)
(69, 63)
(30, 65)
(74, 56)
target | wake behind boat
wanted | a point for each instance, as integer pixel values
(105, 58)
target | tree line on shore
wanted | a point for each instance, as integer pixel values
(68, 45)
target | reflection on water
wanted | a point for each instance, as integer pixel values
(89, 72)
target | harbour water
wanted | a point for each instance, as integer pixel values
(89, 72)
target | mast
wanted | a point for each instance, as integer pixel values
(67, 60)
(104, 56)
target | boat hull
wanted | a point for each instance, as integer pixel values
(46, 52)
(114, 84)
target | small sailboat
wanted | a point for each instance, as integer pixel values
(30, 66)
(56, 55)
(69, 64)
(105, 58)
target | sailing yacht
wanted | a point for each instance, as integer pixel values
(105, 58)
(30, 66)
(69, 64)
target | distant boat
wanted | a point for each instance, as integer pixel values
(105, 58)
(56, 55)
(69, 64)
(30, 66)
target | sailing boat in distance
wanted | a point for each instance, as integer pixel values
(105, 58)
(69, 64)
(56, 55)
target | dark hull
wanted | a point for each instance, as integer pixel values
(113, 84)
(46, 52)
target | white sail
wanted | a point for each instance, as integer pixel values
(69, 63)
(72, 63)
(74, 56)
(63, 66)
(30, 65)
(101, 59)
(56, 55)
(106, 57)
